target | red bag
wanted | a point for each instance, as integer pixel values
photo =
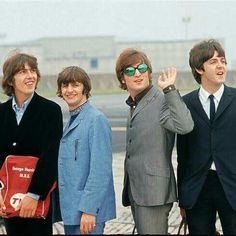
(15, 177)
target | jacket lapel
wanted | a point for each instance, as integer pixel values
(11, 116)
(225, 101)
(197, 106)
(144, 101)
(77, 120)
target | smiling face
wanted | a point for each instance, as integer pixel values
(24, 83)
(137, 82)
(214, 73)
(73, 94)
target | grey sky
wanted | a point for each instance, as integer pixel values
(125, 19)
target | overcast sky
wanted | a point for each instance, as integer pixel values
(126, 19)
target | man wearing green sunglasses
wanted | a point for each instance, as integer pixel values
(154, 119)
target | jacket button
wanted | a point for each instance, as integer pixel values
(128, 156)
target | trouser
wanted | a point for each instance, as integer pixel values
(27, 226)
(202, 217)
(150, 219)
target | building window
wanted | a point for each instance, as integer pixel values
(94, 63)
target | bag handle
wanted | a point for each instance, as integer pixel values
(184, 224)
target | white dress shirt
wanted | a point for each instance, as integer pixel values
(205, 101)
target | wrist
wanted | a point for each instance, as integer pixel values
(33, 195)
(169, 88)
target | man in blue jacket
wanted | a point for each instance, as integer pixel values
(87, 197)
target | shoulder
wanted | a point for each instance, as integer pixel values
(190, 95)
(155, 94)
(96, 116)
(6, 104)
(47, 104)
(230, 90)
(95, 113)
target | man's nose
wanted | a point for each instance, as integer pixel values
(70, 88)
(137, 73)
(220, 64)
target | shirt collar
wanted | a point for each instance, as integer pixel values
(25, 104)
(77, 110)
(138, 98)
(203, 94)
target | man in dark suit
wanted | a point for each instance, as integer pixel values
(207, 156)
(30, 125)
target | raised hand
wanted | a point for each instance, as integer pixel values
(167, 78)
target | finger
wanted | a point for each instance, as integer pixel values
(164, 75)
(2, 213)
(21, 214)
(173, 71)
(2, 207)
(33, 213)
(160, 78)
(169, 72)
(91, 227)
(82, 230)
(24, 213)
(18, 207)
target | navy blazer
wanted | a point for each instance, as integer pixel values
(38, 134)
(197, 149)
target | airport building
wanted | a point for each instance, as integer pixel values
(98, 54)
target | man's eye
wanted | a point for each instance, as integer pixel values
(22, 72)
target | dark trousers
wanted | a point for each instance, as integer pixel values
(202, 217)
(28, 226)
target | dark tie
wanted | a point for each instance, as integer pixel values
(212, 108)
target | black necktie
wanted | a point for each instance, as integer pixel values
(212, 108)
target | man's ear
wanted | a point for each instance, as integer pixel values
(10, 83)
(199, 71)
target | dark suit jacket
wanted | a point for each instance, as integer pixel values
(206, 143)
(38, 134)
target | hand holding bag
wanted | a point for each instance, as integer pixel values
(15, 177)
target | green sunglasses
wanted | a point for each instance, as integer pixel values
(130, 71)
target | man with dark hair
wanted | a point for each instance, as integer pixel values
(206, 156)
(30, 126)
(86, 187)
(153, 120)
